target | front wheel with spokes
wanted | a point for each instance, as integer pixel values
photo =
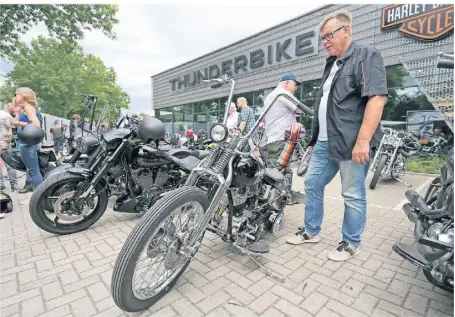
(159, 249)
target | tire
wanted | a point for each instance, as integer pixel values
(378, 171)
(432, 190)
(432, 280)
(122, 275)
(303, 166)
(39, 197)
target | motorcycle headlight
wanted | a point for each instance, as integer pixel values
(87, 144)
(218, 132)
(390, 140)
(82, 146)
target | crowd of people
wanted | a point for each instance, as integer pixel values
(21, 111)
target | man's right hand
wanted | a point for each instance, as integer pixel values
(310, 149)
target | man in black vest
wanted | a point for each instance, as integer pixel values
(345, 128)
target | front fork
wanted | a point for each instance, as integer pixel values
(223, 188)
(98, 176)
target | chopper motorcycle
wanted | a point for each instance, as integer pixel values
(245, 200)
(392, 155)
(121, 163)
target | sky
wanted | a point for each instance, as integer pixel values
(152, 38)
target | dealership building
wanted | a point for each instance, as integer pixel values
(409, 37)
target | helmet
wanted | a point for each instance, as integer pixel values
(6, 203)
(151, 129)
(31, 135)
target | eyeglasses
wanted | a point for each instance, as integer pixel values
(330, 35)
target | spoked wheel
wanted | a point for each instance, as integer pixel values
(159, 249)
(60, 191)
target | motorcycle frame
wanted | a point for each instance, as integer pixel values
(225, 182)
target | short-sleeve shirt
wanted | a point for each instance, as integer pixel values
(280, 116)
(361, 74)
(247, 115)
(56, 131)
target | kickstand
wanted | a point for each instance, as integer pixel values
(403, 182)
(267, 271)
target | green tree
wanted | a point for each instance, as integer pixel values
(60, 73)
(63, 21)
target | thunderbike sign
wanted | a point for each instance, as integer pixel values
(422, 21)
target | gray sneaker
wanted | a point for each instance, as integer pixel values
(301, 237)
(343, 252)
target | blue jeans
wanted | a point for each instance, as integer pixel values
(321, 171)
(29, 155)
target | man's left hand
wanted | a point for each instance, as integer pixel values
(361, 152)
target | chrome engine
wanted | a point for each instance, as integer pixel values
(399, 166)
(255, 210)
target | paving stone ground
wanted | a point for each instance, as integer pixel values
(48, 275)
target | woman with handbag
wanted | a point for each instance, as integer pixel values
(30, 114)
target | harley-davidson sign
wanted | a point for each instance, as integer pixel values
(422, 21)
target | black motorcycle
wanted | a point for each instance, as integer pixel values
(46, 159)
(433, 216)
(121, 163)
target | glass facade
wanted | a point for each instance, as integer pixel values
(404, 95)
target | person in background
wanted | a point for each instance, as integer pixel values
(278, 119)
(246, 117)
(6, 135)
(233, 117)
(29, 153)
(57, 136)
(75, 124)
(345, 130)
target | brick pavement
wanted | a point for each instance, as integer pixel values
(47, 275)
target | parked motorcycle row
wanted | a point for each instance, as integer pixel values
(221, 185)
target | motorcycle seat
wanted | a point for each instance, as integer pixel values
(186, 163)
(274, 174)
(200, 154)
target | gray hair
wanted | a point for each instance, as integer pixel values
(343, 16)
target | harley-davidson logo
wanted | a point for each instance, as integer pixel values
(422, 21)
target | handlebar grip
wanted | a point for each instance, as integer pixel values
(305, 109)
